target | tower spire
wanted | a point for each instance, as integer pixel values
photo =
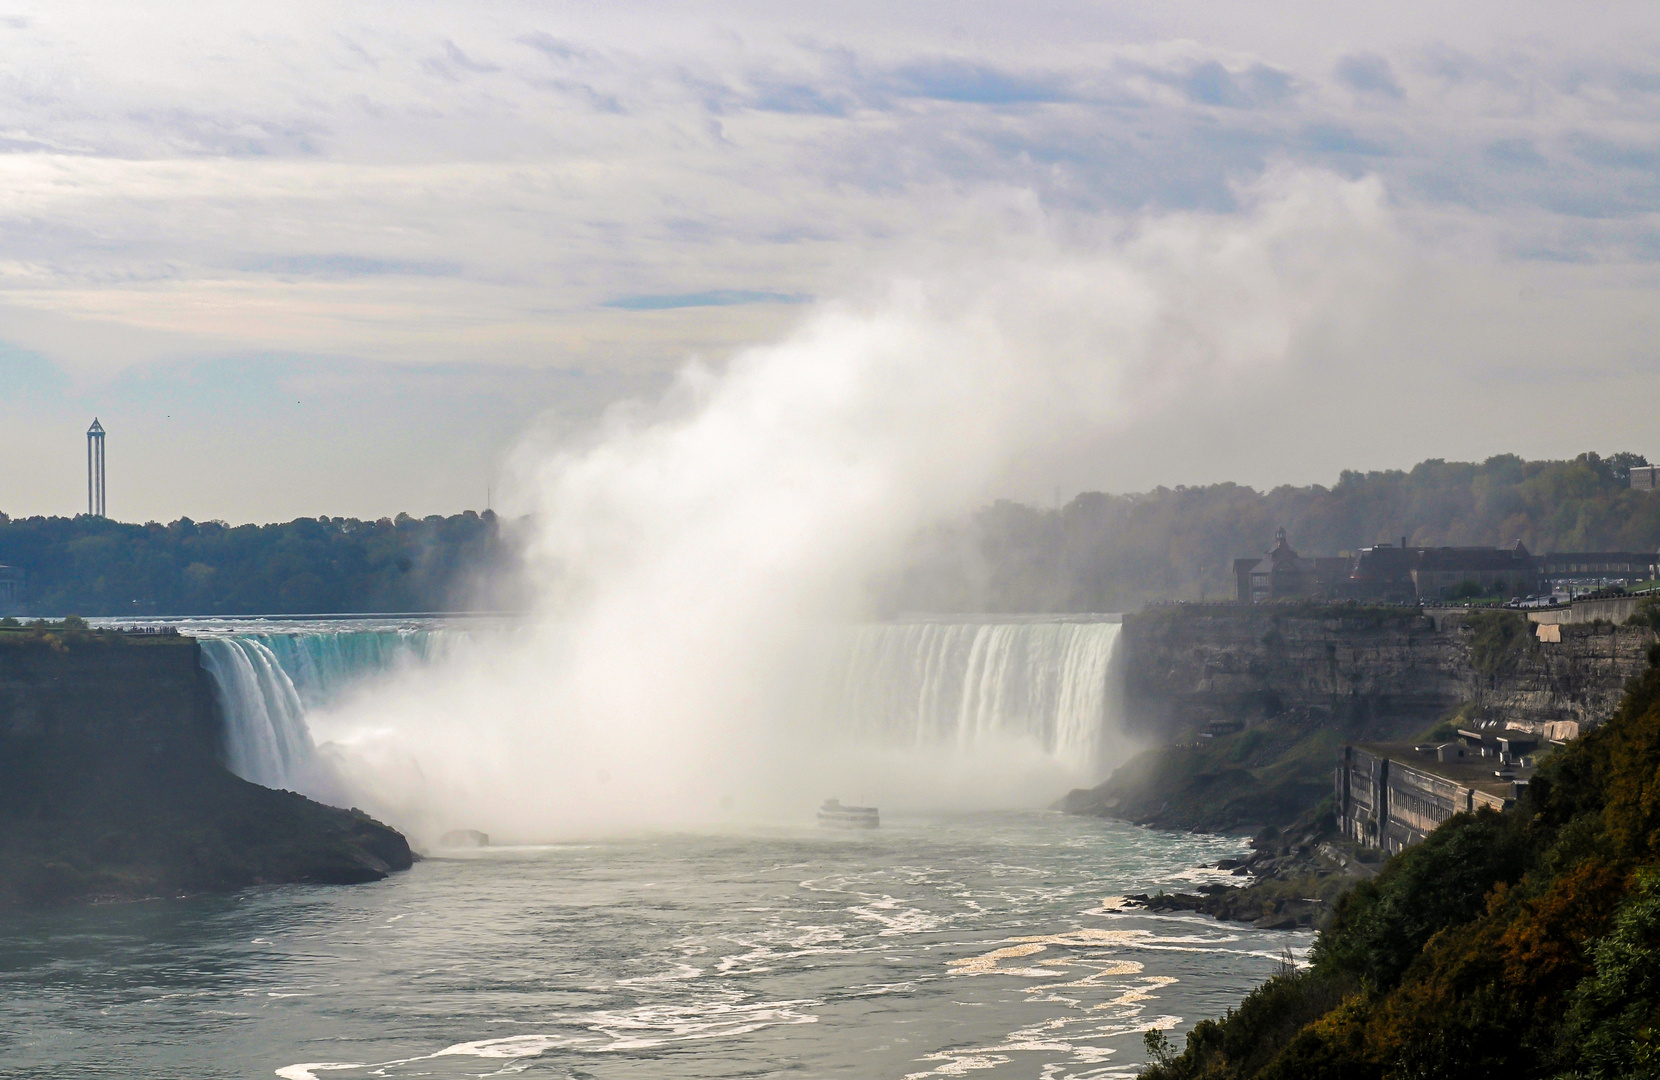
(95, 469)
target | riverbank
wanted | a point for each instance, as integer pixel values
(111, 787)
(1249, 706)
(1519, 943)
(1291, 880)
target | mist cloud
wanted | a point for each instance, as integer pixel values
(693, 557)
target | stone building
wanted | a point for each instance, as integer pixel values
(1645, 477)
(1408, 574)
(1438, 572)
(1391, 796)
(1282, 574)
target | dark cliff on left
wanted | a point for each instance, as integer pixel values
(112, 788)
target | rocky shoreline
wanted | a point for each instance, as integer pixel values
(1290, 884)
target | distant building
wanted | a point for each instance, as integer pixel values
(1282, 574)
(1599, 566)
(1439, 572)
(11, 591)
(1406, 575)
(1381, 572)
(1392, 796)
(1645, 477)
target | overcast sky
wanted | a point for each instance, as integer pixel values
(310, 258)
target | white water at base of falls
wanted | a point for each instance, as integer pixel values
(973, 684)
(268, 682)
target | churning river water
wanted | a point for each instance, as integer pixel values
(950, 946)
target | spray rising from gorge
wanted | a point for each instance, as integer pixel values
(918, 686)
(694, 558)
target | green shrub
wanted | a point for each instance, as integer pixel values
(1498, 639)
(1521, 944)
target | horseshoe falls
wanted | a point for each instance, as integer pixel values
(970, 685)
(1049, 682)
(268, 681)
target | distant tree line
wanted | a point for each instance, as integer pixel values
(1105, 552)
(99, 567)
(1100, 552)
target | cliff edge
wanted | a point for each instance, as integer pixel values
(1247, 706)
(111, 787)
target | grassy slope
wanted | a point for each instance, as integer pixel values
(1269, 774)
(1518, 945)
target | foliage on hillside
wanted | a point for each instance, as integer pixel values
(95, 566)
(1525, 944)
(1114, 552)
(1268, 774)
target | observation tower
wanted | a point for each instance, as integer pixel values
(95, 469)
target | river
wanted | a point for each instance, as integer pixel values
(933, 947)
(942, 944)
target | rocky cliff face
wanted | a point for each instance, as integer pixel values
(1560, 689)
(115, 693)
(111, 786)
(1187, 667)
(1247, 707)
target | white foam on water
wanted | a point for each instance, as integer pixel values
(511, 1048)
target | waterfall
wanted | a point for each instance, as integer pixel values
(971, 685)
(267, 683)
(968, 684)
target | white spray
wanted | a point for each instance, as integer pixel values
(692, 555)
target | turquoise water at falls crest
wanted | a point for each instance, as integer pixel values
(269, 681)
(970, 685)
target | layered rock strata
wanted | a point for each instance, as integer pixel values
(1188, 668)
(111, 786)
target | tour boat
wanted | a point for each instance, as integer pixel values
(836, 816)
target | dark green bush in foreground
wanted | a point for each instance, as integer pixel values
(1518, 945)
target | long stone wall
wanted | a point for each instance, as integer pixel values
(1611, 609)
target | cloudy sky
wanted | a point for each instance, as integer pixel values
(310, 258)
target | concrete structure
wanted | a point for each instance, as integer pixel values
(1605, 605)
(95, 469)
(1645, 477)
(11, 591)
(1391, 796)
